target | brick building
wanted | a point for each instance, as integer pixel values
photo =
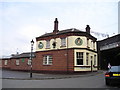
(67, 50)
(18, 62)
(5, 63)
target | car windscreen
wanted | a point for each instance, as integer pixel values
(114, 69)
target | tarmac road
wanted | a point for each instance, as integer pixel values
(89, 80)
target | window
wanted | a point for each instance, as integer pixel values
(91, 60)
(94, 59)
(0, 62)
(6, 62)
(48, 44)
(87, 42)
(63, 41)
(17, 62)
(79, 57)
(91, 44)
(94, 45)
(87, 58)
(114, 69)
(29, 62)
(47, 60)
(23, 60)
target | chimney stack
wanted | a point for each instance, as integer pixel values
(88, 29)
(55, 26)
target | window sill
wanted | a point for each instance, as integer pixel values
(17, 65)
(47, 64)
(95, 66)
(62, 46)
(47, 48)
(88, 47)
(82, 66)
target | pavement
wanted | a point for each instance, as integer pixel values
(18, 75)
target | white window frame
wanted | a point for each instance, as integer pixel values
(63, 41)
(80, 56)
(29, 62)
(48, 44)
(88, 43)
(87, 58)
(47, 60)
(6, 62)
(17, 62)
(94, 45)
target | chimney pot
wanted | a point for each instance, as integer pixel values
(87, 29)
(55, 26)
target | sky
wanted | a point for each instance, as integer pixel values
(24, 20)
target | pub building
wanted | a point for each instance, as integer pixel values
(69, 50)
(61, 51)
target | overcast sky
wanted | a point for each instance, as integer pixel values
(24, 20)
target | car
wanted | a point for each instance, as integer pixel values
(112, 76)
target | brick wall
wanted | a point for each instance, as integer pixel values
(59, 63)
(7, 66)
(23, 65)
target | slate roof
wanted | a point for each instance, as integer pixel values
(22, 55)
(73, 30)
(17, 56)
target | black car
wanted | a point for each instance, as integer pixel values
(112, 76)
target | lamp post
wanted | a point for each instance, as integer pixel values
(31, 56)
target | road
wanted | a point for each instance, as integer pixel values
(86, 81)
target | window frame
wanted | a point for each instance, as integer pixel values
(80, 57)
(88, 43)
(29, 62)
(47, 60)
(87, 58)
(47, 44)
(17, 62)
(94, 45)
(6, 62)
(63, 42)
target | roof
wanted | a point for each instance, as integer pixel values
(17, 56)
(61, 32)
(110, 40)
(23, 55)
(5, 58)
(72, 30)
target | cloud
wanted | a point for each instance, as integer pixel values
(23, 21)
